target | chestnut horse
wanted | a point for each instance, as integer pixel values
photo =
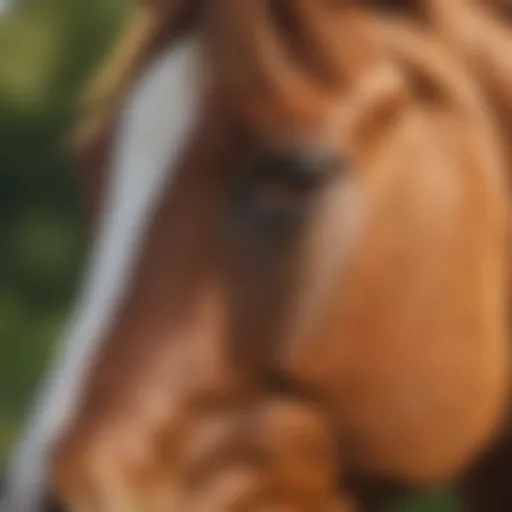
(300, 264)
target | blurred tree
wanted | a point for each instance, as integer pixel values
(47, 49)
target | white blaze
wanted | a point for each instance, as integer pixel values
(156, 122)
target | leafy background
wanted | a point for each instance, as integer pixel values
(47, 50)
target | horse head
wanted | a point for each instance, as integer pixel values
(301, 252)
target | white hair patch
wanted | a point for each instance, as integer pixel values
(156, 123)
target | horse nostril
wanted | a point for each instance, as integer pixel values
(297, 168)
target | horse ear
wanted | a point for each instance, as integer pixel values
(153, 24)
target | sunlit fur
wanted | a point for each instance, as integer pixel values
(479, 34)
(378, 325)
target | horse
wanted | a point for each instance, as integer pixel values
(299, 268)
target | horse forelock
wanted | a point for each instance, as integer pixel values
(279, 46)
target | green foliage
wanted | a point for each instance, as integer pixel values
(435, 500)
(47, 49)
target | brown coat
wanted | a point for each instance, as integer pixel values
(401, 340)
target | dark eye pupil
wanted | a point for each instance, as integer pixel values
(395, 6)
(296, 169)
(276, 189)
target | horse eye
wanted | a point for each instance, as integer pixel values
(395, 6)
(296, 169)
(278, 187)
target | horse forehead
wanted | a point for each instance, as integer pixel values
(312, 92)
